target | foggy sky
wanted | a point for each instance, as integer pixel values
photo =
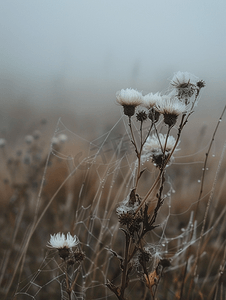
(101, 43)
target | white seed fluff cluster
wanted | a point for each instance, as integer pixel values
(170, 106)
(125, 207)
(129, 97)
(182, 79)
(155, 145)
(59, 240)
(184, 89)
(151, 99)
(185, 86)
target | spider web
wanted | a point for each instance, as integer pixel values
(101, 161)
(99, 175)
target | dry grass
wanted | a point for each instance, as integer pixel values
(44, 192)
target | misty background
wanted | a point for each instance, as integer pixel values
(68, 58)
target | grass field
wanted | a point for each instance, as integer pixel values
(74, 181)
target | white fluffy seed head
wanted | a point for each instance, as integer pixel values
(59, 240)
(154, 146)
(183, 79)
(185, 85)
(151, 99)
(126, 207)
(156, 143)
(129, 97)
(170, 106)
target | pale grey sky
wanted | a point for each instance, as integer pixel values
(104, 43)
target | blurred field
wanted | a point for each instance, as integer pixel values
(85, 203)
(67, 162)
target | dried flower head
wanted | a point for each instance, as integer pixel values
(153, 115)
(79, 256)
(158, 148)
(185, 84)
(171, 108)
(151, 99)
(59, 240)
(125, 207)
(129, 99)
(131, 221)
(144, 256)
(157, 143)
(201, 84)
(141, 116)
(127, 213)
(63, 244)
(125, 218)
(129, 204)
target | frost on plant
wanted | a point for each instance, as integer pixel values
(121, 234)
(129, 99)
(170, 108)
(186, 85)
(158, 148)
(151, 99)
(138, 213)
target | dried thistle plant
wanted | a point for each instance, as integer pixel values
(135, 213)
(138, 253)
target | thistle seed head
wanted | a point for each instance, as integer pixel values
(171, 108)
(154, 148)
(151, 99)
(129, 99)
(60, 241)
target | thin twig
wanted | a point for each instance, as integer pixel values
(205, 162)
